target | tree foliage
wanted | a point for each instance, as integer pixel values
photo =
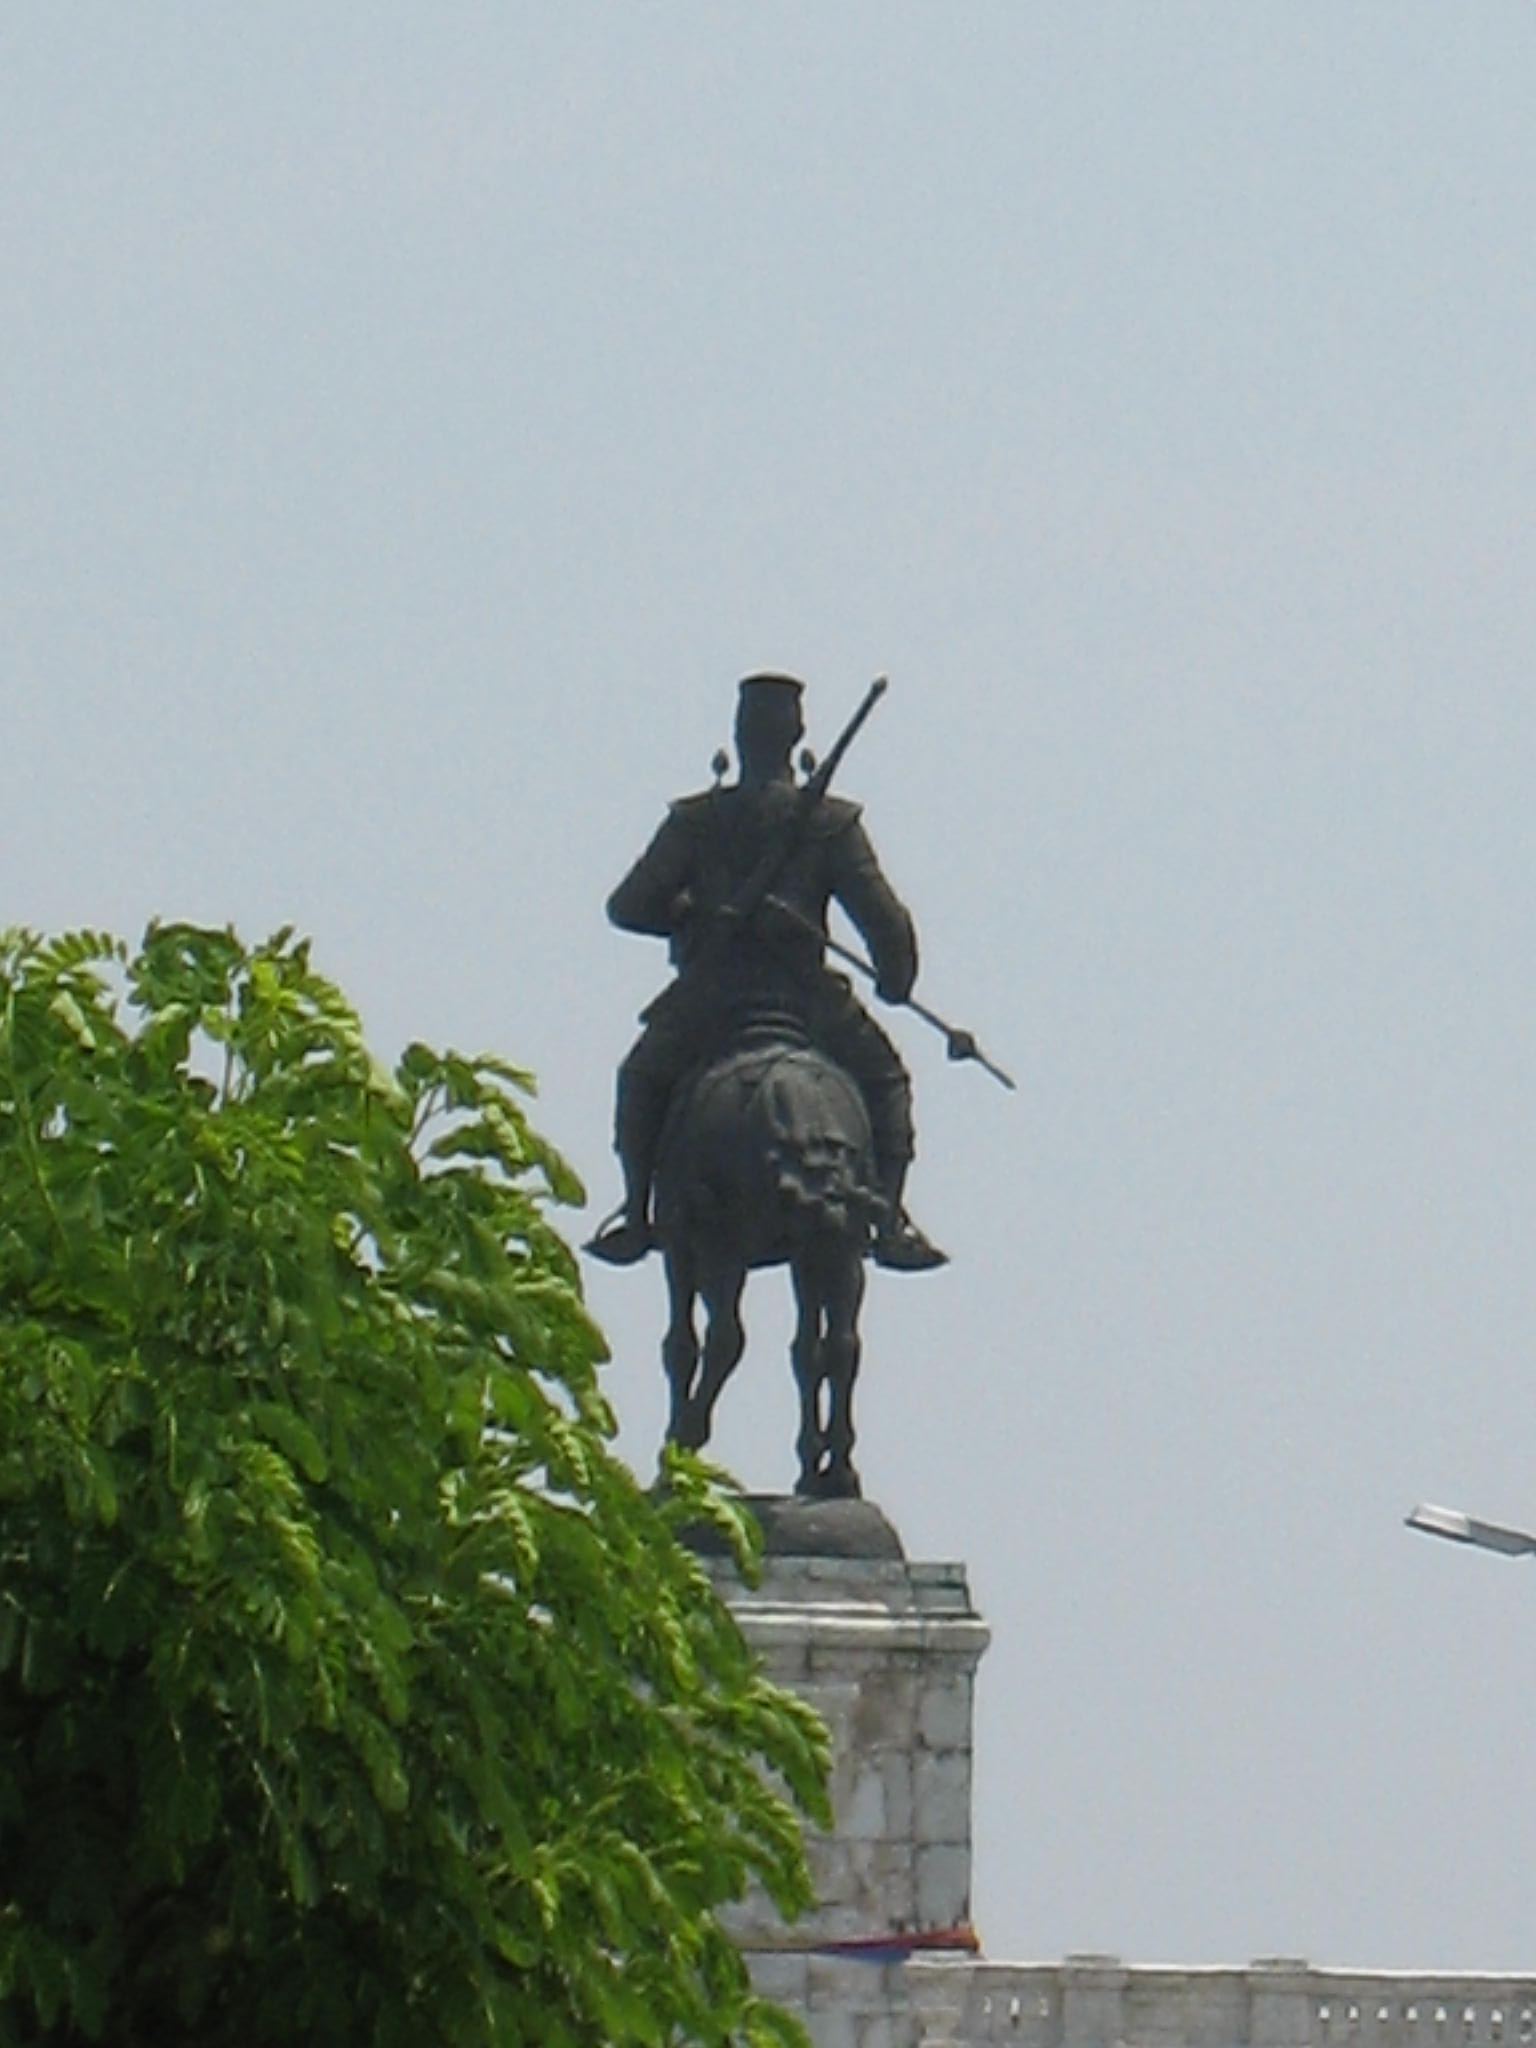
(350, 1687)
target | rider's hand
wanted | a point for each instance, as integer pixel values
(894, 988)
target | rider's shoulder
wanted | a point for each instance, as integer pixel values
(694, 813)
(835, 815)
(700, 813)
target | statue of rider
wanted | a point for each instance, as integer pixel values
(770, 962)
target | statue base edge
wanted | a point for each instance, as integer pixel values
(795, 1525)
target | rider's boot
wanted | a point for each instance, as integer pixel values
(625, 1237)
(899, 1245)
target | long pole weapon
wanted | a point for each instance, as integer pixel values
(959, 1043)
(757, 890)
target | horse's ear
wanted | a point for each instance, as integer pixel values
(720, 763)
(807, 763)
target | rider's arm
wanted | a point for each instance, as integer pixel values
(647, 900)
(876, 909)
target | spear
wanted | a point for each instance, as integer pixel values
(960, 1044)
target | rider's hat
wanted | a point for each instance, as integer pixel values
(770, 689)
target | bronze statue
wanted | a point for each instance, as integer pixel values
(763, 1117)
(732, 961)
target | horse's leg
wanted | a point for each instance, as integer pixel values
(721, 1281)
(805, 1354)
(680, 1345)
(842, 1295)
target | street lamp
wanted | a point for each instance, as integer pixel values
(1460, 1528)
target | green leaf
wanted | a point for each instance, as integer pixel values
(357, 1689)
(293, 1436)
(72, 1017)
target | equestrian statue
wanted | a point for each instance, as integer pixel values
(763, 1118)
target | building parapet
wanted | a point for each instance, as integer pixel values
(1100, 2002)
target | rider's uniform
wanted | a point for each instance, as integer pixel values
(704, 851)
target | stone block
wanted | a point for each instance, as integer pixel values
(943, 1885)
(1093, 2000)
(858, 1800)
(896, 1770)
(783, 1978)
(886, 1714)
(846, 1922)
(832, 2028)
(753, 1920)
(939, 1996)
(830, 1860)
(1280, 2002)
(883, 2030)
(840, 1982)
(872, 1998)
(941, 1796)
(868, 1886)
(839, 1703)
(944, 1716)
(882, 1878)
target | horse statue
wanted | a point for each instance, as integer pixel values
(767, 1160)
(763, 1117)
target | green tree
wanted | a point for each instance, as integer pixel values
(351, 1689)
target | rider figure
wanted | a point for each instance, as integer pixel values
(730, 967)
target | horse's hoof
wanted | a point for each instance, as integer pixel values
(690, 1432)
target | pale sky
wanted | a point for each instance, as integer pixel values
(414, 420)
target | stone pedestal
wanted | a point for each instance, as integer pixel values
(886, 1650)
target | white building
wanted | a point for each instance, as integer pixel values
(887, 1650)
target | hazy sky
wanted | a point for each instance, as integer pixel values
(412, 421)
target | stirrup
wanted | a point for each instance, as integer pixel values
(902, 1248)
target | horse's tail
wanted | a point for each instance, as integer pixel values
(820, 1154)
